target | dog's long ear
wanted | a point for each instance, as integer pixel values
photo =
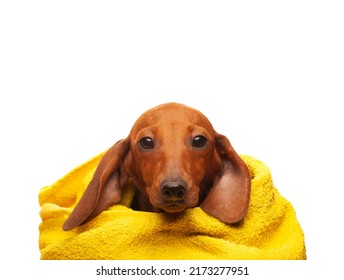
(228, 198)
(104, 189)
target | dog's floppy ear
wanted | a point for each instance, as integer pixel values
(104, 189)
(228, 198)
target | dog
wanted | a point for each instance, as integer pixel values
(176, 161)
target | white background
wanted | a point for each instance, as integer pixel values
(74, 76)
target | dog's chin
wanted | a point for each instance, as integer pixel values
(173, 208)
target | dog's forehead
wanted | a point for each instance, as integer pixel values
(170, 114)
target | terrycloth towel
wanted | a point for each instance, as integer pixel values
(269, 231)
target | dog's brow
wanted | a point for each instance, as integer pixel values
(146, 131)
(197, 129)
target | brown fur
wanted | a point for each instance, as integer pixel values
(173, 174)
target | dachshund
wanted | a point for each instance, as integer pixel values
(176, 161)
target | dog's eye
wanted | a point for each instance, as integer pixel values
(146, 143)
(199, 141)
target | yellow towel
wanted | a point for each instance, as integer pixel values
(269, 231)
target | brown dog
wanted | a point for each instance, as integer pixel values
(176, 161)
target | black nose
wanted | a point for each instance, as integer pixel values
(173, 190)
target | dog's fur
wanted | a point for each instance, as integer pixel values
(176, 161)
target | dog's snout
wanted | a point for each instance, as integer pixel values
(173, 190)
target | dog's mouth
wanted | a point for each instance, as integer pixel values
(177, 205)
(174, 207)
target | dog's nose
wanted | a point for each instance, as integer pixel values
(173, 190)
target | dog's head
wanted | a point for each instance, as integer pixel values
(177, 161)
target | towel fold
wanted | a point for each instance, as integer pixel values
(269, 231)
